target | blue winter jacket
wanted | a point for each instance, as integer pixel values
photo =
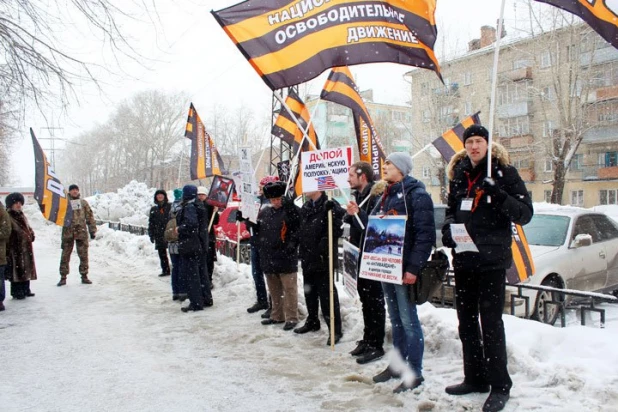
(420, 225)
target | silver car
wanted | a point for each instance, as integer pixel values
(572, 248)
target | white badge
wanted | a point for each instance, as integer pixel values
(76, 204)
(466, 204)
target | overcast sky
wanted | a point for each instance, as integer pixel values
(191, 53)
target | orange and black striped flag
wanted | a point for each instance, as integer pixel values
(340, 88)
(286, 129)
(49, 191)
(601, 15)
(205, 158)
(289, 42)
(523, 266)
(451, 141)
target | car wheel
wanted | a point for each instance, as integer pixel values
(546, 296)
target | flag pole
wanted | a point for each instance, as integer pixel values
(494, 81)
(331, 283)
(305, 136)
(422, 150)
(182, 153)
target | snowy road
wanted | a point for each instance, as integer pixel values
(121, 344)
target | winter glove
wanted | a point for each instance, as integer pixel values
(151, 238)
(447, 238)
(329, 205)
(239, 217)
(492, 189)
(93, 235)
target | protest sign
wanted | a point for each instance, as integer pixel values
(383, 249)
(350, 268)
(326, 169)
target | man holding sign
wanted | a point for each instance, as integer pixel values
(406, 197)
(478, 227)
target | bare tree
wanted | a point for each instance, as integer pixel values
(37, 65)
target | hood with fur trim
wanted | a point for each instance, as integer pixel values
(160, 192)
(498, 152)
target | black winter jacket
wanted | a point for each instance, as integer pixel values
(277, 238)
(192, 225)
(157, 220)
(420, 225)
(313, 247)
(489, 224)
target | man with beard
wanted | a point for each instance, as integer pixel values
(157, 220)
(371, 347)
(83, 223)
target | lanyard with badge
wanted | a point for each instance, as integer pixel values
(467, 202)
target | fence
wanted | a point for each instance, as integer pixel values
(582, 302)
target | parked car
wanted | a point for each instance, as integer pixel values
(572, 248)
(227, 230)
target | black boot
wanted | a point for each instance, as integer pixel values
(370, 354)
(386, 375)
(266, 315)
(465, 388)
(495, 402)
(416, 382)
(257, 306)
(337, 338)
(360, 348)
(308, 327)
(86, 281)
(190, 308)
(63, 281)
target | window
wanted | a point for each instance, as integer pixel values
(609, 159)
(547, 196)
(605, 227)
(548, 94)
(521, 163)
(515, 126)
(545, 59)
(467, 79)
(548, 128)
(571, 53)
(426, 172)
(521, 63)
(513, 92)
(467, 108)
(549, 165)
(585, 226)
(426, 116)
(577, 198)
(577, 162)
(608, 197)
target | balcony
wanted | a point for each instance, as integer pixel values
(608, 172)
(603, 94)
(447, 90)
(522, 73)
(603, 55)
(516, 109)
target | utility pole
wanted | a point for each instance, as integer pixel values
(52, 139)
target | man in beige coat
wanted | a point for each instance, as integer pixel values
(5, 233)
(83, 223)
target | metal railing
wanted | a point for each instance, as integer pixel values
(123, 227)
(562, 300)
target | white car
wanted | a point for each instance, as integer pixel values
(572, 248)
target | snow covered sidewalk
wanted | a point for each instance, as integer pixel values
(122, 344)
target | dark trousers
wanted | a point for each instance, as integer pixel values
(198, 287)
(258, 275)
(20, 290)
(205, 278)
(212, 256)
(317, 293)
(374, 314)
(165, 263)
(2, 290)
(484, 346)
(178, 282)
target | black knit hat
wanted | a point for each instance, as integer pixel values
(274, 190)
(73, 186)
(475, 130)
(13, 198)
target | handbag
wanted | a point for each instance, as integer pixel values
(430, 278)
(170, 234)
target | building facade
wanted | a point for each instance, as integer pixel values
(552, 89)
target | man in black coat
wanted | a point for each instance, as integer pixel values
(192, 230)
(157, 220)
(211, 215)
(371, 347)
(278, 245)
(486, 205)
(314, 255)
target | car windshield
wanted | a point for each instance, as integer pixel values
(547, 230)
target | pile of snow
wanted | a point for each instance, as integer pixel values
(129, 204)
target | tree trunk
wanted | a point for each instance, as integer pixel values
(558, 185)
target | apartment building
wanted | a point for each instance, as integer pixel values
(558, 84)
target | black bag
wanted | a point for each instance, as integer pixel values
(428, 282)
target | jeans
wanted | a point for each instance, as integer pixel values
(2, 289)
(178, 283)
(407, 332)
(258, 275)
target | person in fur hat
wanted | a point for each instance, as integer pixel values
(487, 205)
(157, 220)
(21, 268)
